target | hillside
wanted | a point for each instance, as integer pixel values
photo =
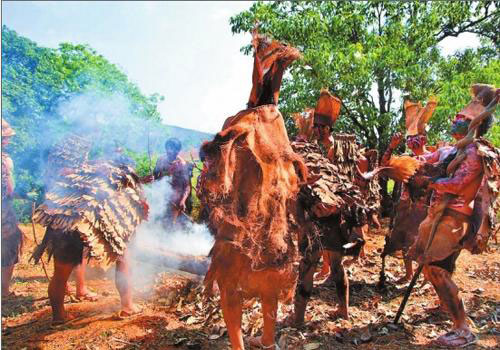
(191, 139)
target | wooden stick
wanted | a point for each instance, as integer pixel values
(460, 149)
(36, 242)
(435, 224)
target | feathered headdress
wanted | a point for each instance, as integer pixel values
(304, 124)
(418, 117)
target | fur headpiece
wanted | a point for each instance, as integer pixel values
(327, 109)
(483, 96)
(304, 123)
(271, 58)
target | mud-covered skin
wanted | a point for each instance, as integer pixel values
(328, 235)
(451, 209)
(412, 206)
(179, 172)
(464, 184)
(321, 236)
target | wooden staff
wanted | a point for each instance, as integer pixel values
(435, 224)
(451, 168)
(36, 242)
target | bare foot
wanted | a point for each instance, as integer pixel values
(458, 338)
(339, 313)
(87, 296)
(256, 342)
(62, 319)
(127, 312)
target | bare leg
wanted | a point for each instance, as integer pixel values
(6, 278)
(232, 309)
(269, 307)
(124, 285)
(57, 288)
(82, 291)
(408, 268)
(447, 291)
(376, 221)
(364, 232)
(304, 286)
(339, 276)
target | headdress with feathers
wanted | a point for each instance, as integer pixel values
(417, 117)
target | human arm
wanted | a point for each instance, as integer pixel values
(187, 187)
(469, 169)
(395, 141)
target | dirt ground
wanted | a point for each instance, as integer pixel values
(175, 317)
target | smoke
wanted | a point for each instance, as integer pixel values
(153, 243)
(107, 121)
(189, 238)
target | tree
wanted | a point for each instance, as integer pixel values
(37, 82)
(373, 54)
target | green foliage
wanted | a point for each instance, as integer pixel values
(390, 185)
(22, 208)
(494, 135)
(37, 80)
(373, 54)
(144, 163)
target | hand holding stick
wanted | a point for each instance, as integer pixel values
(36, 242)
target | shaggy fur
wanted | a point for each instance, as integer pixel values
(252, 176)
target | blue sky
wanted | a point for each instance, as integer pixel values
(184, 51)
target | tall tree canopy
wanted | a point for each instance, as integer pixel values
(374, 54)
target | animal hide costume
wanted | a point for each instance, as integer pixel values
(95, 204)
(12, 237)
(334, 182)
(271, 58)
(249, 177)
(411, 208)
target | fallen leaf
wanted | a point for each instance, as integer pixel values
(312, 346)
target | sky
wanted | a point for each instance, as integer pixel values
(184, 51)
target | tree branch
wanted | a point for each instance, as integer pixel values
(351, 116)
(447, 31)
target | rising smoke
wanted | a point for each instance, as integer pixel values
(107, 122)
(153, 239)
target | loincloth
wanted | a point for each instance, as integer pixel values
(66, 247)
(408, 218)
(451, 229)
